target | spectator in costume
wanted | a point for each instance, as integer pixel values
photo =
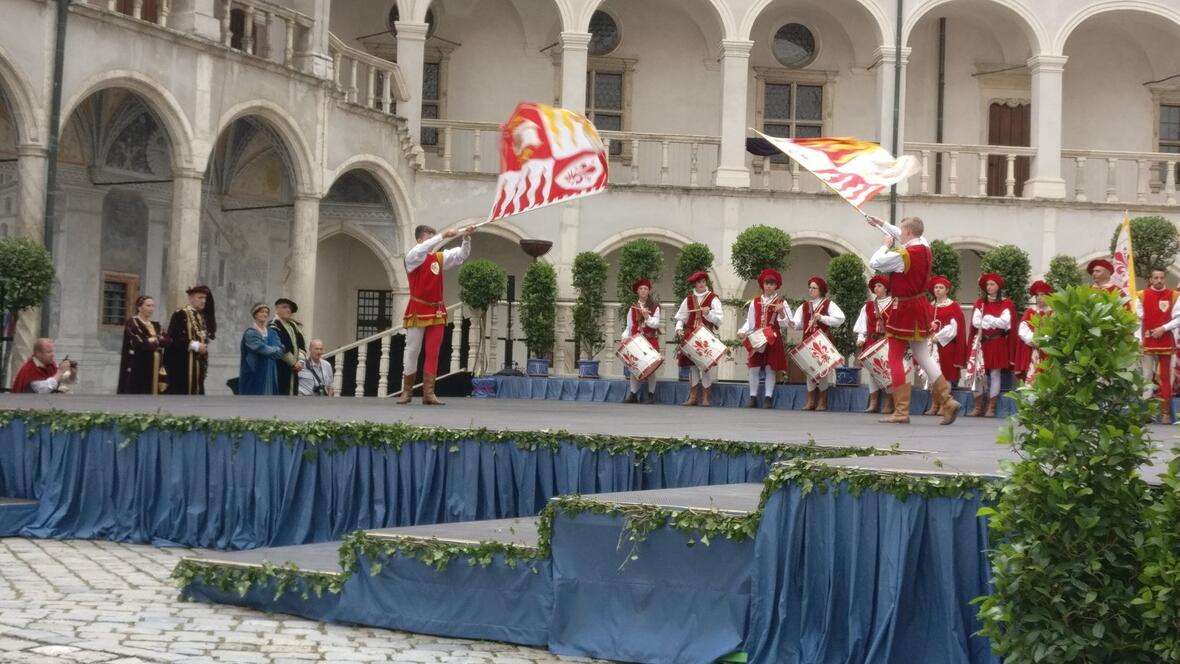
(290, 333)
(41, 374)
(261, 351)
(141, 363)
(190, 330)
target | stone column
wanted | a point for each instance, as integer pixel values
(574, 51)
(184, 236)
(1046, 180)
(411, 58)
(735, 78)
(313, 57)
(197, 17)
(31, 173)
(887, 59)
(299, 282)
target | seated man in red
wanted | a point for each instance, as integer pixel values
(41, 374)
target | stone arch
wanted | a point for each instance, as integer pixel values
(828, 241)
(287, 129)
(720, 7)
(1035, 32)
(391, 183)
(969, 270)
(1095, 9)
(501, 229)
(155, 97)
(662, 236)
(397, 278)
(882, 22)
(19, 94)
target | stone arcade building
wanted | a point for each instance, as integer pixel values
(288, 148)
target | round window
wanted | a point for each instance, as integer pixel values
(604, 34)
(794, 45)
(395, 16)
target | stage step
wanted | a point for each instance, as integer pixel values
(734, 499)
(15, 514)
(517, 532)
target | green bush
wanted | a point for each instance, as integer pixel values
(1160, 598)
(847, 288)
(481, 285)
(694, 257)
(538, 309)
(760, 247)
(590, 272)
(26, 273)
(946, 263)
(1012, 263)
(1154, 243)
(1069, 523)
(1064, 272)
(639, 258)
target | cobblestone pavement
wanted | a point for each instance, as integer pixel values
(91, 601)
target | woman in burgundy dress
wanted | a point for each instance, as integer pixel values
(140, 369)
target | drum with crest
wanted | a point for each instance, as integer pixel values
(640, 357)
(703, 348)
(756, 341)
(816, 355)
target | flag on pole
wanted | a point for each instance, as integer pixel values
(857, 170)
(547, 155)
(1124, 261)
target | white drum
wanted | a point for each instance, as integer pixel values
(816, 355)
(1034, 366)
(639, 355)
(975, 371)
(756, 341)
(703, 348)
(875, 358)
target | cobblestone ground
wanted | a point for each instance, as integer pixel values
(89, 601)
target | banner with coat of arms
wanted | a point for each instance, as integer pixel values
(1124, 262)
(547, 155)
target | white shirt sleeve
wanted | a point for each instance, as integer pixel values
(947, 333)
(977, 318)
(797, 317)
(1004, 321)
(417, 256)
(194, 346)
(682, 315)
(715, 312)
(1026, 332)
(784, 316)
(626, 325)
(748, 326)
(887, 260)
(455, 256)
(861, 326)
(44, 386)
(1174, 323)
(654, 319)
(834, 317)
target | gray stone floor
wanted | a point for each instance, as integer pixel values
(85, 601)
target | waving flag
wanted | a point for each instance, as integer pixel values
(1124, 261)
(855, 169)
(547, 155)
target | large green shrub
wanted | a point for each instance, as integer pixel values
(1160, 598)
(590, 272)
(538, 309)
(1012, 263)
(26, 273)
(945, 263)
(1154, 243)
(639, 258)
(1069, 524)
(760, 247)
(847, 288)
(694, 257)
(481, 285)
(1064, 272)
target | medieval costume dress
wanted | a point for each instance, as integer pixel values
(290, 334)
(188, 328)
(141, 368)
(261, 355)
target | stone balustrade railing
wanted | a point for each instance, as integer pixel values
(1120, 177)
(965, 169)
(258, 34)
(365, 79)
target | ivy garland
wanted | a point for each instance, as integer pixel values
(240, 578)
(700, 525)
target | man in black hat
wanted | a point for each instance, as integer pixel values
(191, 329)
(290, 332)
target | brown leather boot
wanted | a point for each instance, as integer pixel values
(812, 400)
(887, 404)
(874, 401)
(705, 395)
(823, 401)
(752, 402)
(407, 389)
(901, 405)
(980, 405)
(932, 409)
(692, 395)
(991, 406)
(1165, 411)
(631, 398)
(428, 397)
(945, 400)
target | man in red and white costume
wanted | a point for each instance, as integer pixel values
(991, 320)
(870, 328)
(643, 318)
(766, 310)
(818, 313)
(700, 307)
(909, 320)
(950, 333)
(1101, 270)
(1159, 317)
(425, 319)
(1024, 364)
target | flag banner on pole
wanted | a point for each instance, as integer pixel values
(857, 170)
(1124, 261)
(547, 155)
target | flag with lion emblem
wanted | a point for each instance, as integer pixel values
(547, 155)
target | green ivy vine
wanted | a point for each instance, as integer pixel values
(240, 578)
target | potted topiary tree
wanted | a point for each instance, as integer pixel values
(694, 257)
(590, 271)
(1011, 262)
(1154, 241)
(538, 315)
(945, 264)
(847, 288)
(26, 275)
(1064, 273)
(758, 248)
(638, 258)
(481, 285)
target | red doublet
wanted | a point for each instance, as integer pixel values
(426, 307)
(1022, 352)
(910, 315)
(774, 355)
(1157, 311)
(952, 356)
(638, 326)
(696, 318)
(874, 324)
(997, 351)
(31, 372)
(807, 313)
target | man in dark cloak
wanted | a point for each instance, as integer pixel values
(191, 329)
(291, 334)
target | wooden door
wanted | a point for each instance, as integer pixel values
(1007, 125)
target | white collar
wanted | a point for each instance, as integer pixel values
(699, 295)
(768, 298)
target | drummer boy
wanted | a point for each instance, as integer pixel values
(822, 314)
(767, 314)
(643, 318)
(700, 308)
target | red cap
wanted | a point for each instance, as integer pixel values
(697, 276)
(819, 281)
(936, 280)
(1040, 287)
(770, 274)
(879, 279)
(990, 276)
(1099, 262)
(642, 281)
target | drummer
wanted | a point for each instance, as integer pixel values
(767, 310)
(643, 318)
(870, 328)
(700, 307)
(818, 313)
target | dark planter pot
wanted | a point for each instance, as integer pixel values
(538, 367)
(483, 388)
(684, 373)
(847, 376)
(587, 368)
